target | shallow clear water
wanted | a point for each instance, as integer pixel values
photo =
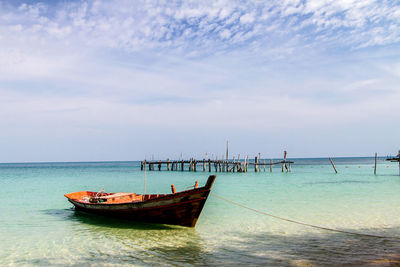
(38, 226)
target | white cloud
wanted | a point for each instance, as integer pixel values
(202, 25)
(247, 18)
(225, 34)
(17, 64)
(359, 85)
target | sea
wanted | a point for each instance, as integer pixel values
(39, 227)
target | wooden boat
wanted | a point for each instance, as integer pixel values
(179, 208)
(394, 159)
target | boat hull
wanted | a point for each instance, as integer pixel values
(181, 208)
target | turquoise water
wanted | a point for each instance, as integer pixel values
(39, 227)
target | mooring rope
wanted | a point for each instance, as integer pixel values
(301, 223)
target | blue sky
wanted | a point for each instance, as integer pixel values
(124, 80)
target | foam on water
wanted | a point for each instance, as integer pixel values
(38, 226)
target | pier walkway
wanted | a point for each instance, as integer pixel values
(213, 165)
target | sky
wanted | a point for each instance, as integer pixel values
(128, 80)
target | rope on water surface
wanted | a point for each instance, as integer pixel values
(301, 223)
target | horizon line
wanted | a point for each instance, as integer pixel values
(105, 161)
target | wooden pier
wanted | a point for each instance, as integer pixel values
(209, 165)
(233, 165)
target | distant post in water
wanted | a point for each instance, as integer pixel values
(284, 161)
(255, 164)
(333, 165)
(227, 155)
(270, 165)
(376, 156)
(144, 182)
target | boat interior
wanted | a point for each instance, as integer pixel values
(109, 198)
